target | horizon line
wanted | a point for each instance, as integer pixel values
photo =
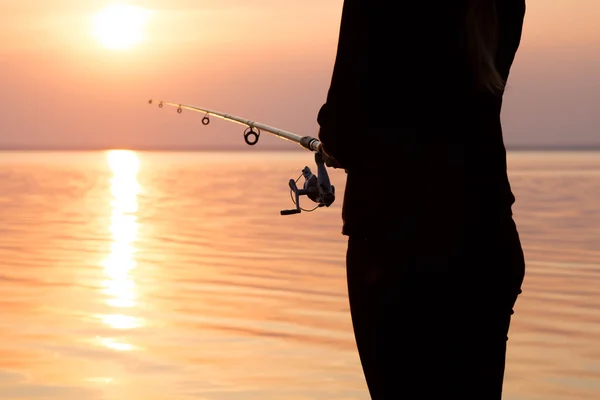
(298, 148)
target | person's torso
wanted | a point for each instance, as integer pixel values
(427, 149)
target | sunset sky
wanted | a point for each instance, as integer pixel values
(69, 80)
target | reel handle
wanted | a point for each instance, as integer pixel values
(290, 212)
(297, 193)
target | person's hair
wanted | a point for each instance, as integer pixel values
(482, 41)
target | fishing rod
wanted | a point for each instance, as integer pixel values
(317, 187)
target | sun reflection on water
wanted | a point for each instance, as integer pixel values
(120, 286)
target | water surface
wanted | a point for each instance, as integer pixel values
(129, 275)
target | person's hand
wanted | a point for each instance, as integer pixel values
(328, 160)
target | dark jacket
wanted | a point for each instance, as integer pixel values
(420, 145)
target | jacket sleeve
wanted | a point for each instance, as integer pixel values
(338, 130)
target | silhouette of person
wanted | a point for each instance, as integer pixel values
(434, 260)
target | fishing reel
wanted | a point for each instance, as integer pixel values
(316, 187)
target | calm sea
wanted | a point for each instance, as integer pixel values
(172, 276)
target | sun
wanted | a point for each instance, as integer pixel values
(120, 26)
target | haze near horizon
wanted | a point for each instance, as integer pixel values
(79, 74)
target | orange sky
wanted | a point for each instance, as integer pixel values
(266, 60)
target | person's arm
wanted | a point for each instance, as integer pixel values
(337, 117)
